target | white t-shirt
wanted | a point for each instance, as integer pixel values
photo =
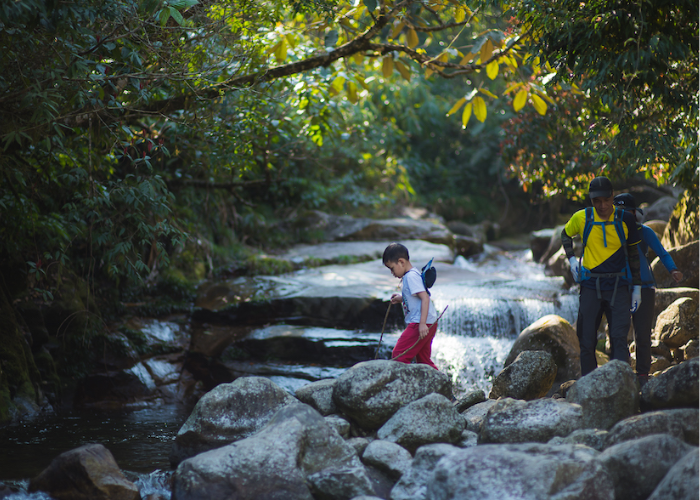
(413, 284)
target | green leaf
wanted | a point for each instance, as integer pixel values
(370, 4)
(176, 15)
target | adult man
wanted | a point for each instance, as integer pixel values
(609, 262)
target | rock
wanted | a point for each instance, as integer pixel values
(413, 484)
(681, 481)
(686, 259)
(680, 423)
(593, 438)
(638, 466)
(392, 230)
(474, 416)
(555, 245)
(515, 421)
(373, 391)
(529, 471)
(664, 297)
(661, 209)
(469, 400)
(691, 349)
(115, 389)
(658, 364)
(341, 425)
(529, 376)
(656, 225)
(274, 463)
(85, 473)
(359, 444)
(431, 419)
(466, 246)
(318, 395)
(390, 458)
(677, 387)
(678, 323)
(468, 439)
(341, 483)
(556, 336)
(539, 242)
(227, 413)
(558, 265)
(607, 395)
(683, 224)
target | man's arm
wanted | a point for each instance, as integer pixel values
(568, 243)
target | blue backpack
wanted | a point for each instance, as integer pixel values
(428, 274)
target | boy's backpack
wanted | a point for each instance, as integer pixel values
(428, 274)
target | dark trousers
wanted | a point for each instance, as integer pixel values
(589, 307)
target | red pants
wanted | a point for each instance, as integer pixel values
(421, 351)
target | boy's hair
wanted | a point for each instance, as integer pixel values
(394, 252)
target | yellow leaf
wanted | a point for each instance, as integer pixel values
(397, 29)
(352, 92)
(291, 40)
(466, 58)
(411, 38)
(466, 114)
(488, 93)
(281, 51)
(479, 108)
(338, 83)
(387, 66)
(443, 57)
(539, 104)
(428, 72)
(460, 14)
(546, 98)
(520, 100)
(359, 58)
(457, 105)
(403, 70)
(486, 51)
(512, 88)
(492, 69)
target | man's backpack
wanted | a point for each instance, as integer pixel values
(588, 227)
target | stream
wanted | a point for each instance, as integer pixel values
(483, 314)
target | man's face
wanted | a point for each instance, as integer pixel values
(603, 206)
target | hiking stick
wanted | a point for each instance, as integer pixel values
(419, 339)
(386, 316)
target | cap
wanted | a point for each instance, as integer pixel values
(600, 187)
(626, 201)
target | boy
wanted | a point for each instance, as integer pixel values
(420, 314)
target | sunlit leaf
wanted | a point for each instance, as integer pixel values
(397, 29)
(479, 108)
(520, 100)
(281, 51)
(466, 114)
(512, 88)
(488, 93)
(428, 72)
(338, 83)
(387, 66)
(485, 53)
(539, 104)
(460, 14)
(403, 70)
(468, 57)
(411, 38)
(352, 92)
(358, 58)
(492, 69)
(456, 106)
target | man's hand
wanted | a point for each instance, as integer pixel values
(677, 275)
(575, 268)
(636, 298)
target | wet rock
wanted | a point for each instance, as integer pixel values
(392, 230)
(539, 242)
(414, 482)
(318, 395)
(340, 483)
(681, 481)
(678, 323)
(85, 473)
(227, 413)
(338, 423)
(466, 246)
(524, 471)
(515, 421)
(680, 423)
(608, 394)
(474, 416)
(390, 458)
(5, 491)
(556, 336)
(558, 265)
(638, 466)
(529, 376)
(371, 392)
(274, 463)
(469, 400)
(686, 258)
(593, 438)
(677, 387)
(431, 419)
(115, 389)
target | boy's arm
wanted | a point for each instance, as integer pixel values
(424, 308)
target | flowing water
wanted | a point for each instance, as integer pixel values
(481, 320)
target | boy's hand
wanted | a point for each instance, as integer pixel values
(422, 330)
(396, 298)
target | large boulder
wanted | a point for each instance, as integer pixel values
(678, 323)
(470, 399)
(515, 421)
(529, 376)
(558, 265)
(227, 413)
(681, 481)
(274, 464)
(373, 391)
(661, 209)
(608, 394)
(413, 484)
(318, 395)
(677, 387)
(431, 419)
(680, 423)
(540, 240)
(638, 466)
(664, 297)
(85, 473)
(593, 438)
(686, 259)
(392, 230)
(529, 471)
(556, 336)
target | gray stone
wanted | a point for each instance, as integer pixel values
(680, 423)
(272, 464)
(413, 484)
(227, 413)
(474, 416)
(681, 481)
(359, 444)
(470, 399)
(390, 458)
(340, 483)
(373, 391)
(431, 419)
(607, 395)
(318, 395)
(468, 439)
(593, 438)
(539, 242)
(678, 323)
(516, 421)
(529, 376)
(677, 387)
(664, 297)
(341, 425)
(638, 466)
(686, 258)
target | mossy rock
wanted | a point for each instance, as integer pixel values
(682, 227)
